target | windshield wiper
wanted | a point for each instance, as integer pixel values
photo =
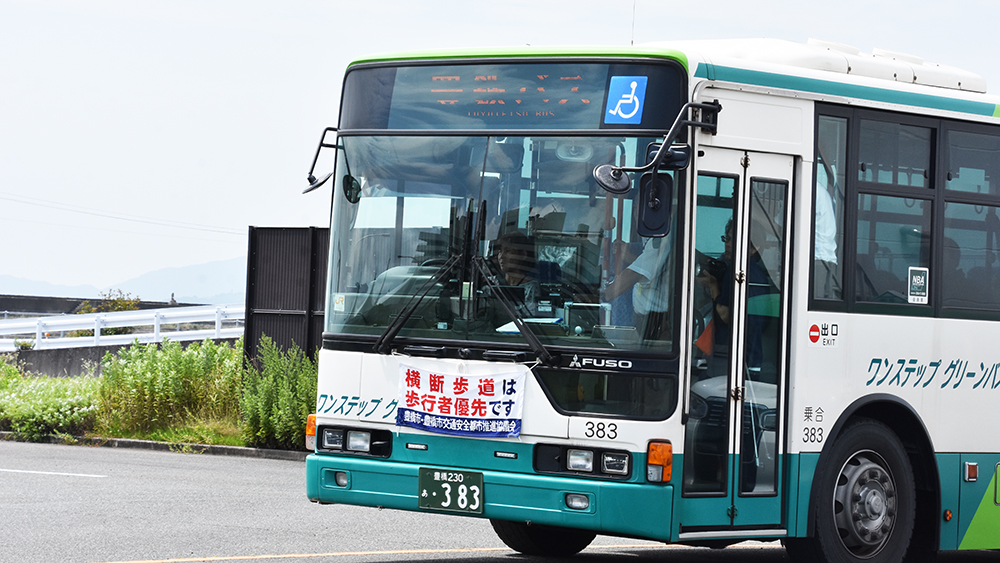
(382, 345)
(534, 343)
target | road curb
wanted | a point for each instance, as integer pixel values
(233, 451)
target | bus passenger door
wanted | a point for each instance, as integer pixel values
(731, 463)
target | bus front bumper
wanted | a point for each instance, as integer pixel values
(617, 508)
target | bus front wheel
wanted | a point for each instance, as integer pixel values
(534, 539)
(865, 506)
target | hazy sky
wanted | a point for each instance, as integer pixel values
(137, 135)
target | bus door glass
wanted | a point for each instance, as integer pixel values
(731, 464)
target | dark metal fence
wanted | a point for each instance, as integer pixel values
(286, 288)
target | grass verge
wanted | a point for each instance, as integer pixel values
(199, 394)
(34, 406)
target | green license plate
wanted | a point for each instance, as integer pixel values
(449, 490)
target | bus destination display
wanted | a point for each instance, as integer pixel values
(512, 96)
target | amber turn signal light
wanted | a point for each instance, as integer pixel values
(311, 432)
(659, 462)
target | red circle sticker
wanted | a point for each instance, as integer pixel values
(814, 333)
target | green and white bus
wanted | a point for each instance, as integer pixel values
(696, 293)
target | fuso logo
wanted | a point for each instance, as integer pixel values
(599, 363)
(814, 333)
(607, 363)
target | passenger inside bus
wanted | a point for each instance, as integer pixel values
(709, 437)
(649, 300)
(716, 278)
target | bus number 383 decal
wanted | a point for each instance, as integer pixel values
(812, 434)
(601, 430)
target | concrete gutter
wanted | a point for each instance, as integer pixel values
(235, 451)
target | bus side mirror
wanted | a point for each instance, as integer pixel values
(656, 192)
(352, 189)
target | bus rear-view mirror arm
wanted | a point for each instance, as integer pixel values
(311, 178)
(615, 179)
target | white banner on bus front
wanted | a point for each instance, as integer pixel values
(444, 401)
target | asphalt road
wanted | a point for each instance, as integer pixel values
(102, 505)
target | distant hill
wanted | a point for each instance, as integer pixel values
(10, 285)
(219, 282)
(223, 281)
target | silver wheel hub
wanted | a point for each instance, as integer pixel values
(864, 506)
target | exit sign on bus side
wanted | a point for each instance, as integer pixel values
(824, 335)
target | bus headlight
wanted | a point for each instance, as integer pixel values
(614, 463)
(333, 438)
(597, 462)
(359, 441)
(580, 460)
(341, 440)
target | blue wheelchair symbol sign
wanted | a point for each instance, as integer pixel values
(626, 95)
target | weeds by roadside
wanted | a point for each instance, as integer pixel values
(36, 406)
(277, 398)
(166, 392)
(149, 387)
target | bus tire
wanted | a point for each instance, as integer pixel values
(535, 539)
(865, 503)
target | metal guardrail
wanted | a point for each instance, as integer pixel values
(48, 333)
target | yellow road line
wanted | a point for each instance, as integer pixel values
(359, 553)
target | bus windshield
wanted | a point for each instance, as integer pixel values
(537, 239)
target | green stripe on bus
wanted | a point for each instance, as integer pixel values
(773, 80)
(532, 52)
(982, 531)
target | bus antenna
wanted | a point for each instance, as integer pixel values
(632, 39)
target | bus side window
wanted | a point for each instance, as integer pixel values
(828, 234)
(893, 235)
(971, 272)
